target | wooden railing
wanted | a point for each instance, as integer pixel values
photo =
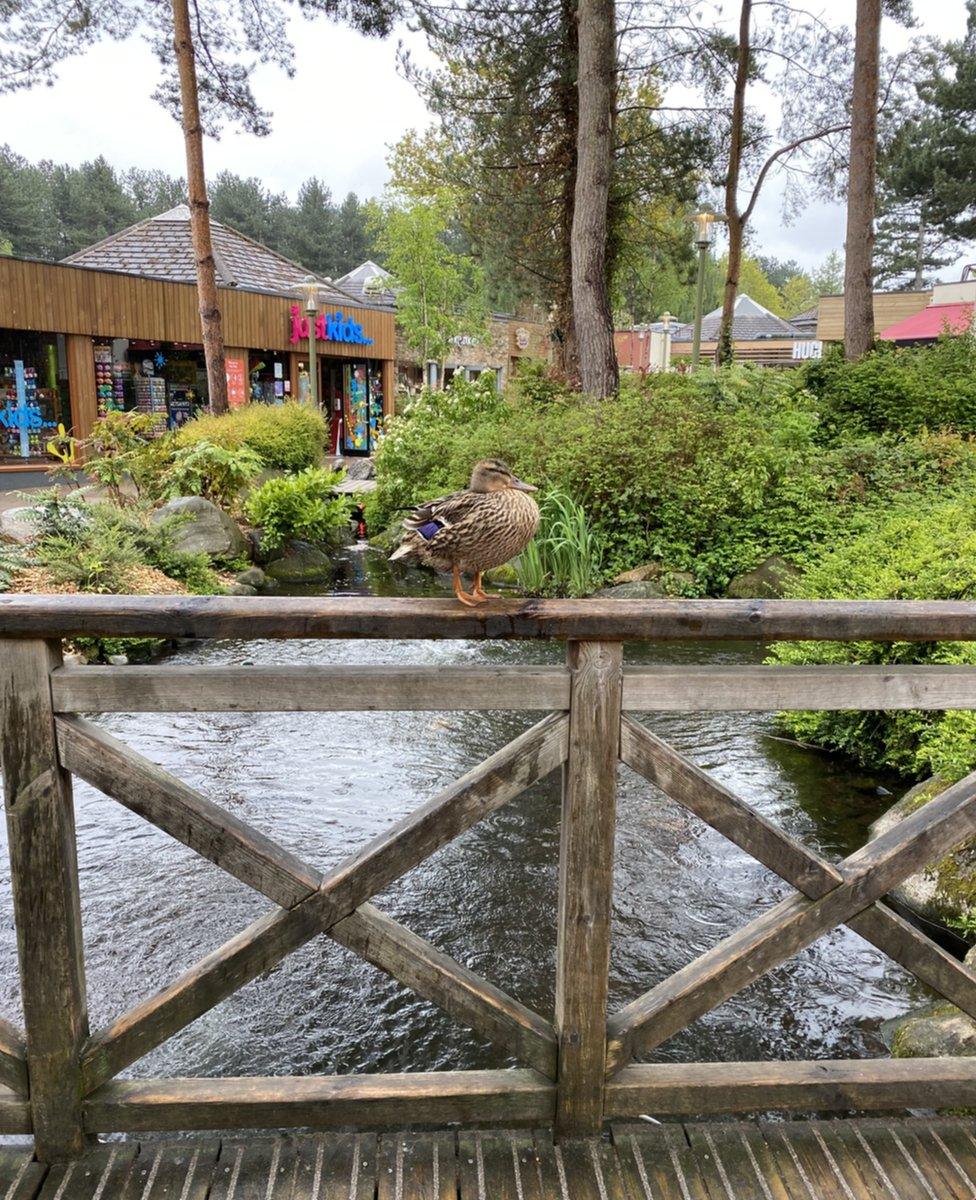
(60, 1081)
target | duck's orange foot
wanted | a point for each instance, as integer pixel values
(471, 599)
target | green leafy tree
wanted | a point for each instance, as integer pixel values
(828, 278)
(248, 206)
(311, 226)
(90, 202)
(440, 294)
(798, 294)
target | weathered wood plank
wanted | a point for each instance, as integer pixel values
(336, 688)
(794, 923)
(416, 1166)
(334, 1166)
(898, 1164)
(13, 1058)
(100, 1175)
(21, 1176)
(748, 688)
(708, 799)
(680, 1088)
(586, 885)
(182, 812)
(658, 1163)
(258, 1169)
(44, 881)
(504, 775)
(805, 1168)
(182, 1169)
(384, 617)
(514, 1097)
(458, 991)
(729, 1162)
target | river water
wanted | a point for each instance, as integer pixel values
(322, 784)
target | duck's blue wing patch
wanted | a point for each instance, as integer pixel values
(430, 530)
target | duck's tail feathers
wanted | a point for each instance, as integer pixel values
(406, 550)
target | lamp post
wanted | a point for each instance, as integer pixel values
(309, 288)
(703, 239)
(666, 319)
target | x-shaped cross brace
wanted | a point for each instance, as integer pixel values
(831, 895)
(313, 903)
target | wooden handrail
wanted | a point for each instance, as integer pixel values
(586, 620)
(60, 1083)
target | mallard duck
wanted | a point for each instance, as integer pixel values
(472, 531)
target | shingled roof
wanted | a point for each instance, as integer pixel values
(750, 323)
(368, 282)
(161, 248)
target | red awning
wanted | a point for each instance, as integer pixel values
(931, 322)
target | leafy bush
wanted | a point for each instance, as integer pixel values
(565, 558)
(289, 436)
(121, 448)
(215, 472)
(900, 390)
(298, 506)
(923, 551)
(11, 560)
(96, 547)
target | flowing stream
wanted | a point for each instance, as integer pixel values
(322, 784)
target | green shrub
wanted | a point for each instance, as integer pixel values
(298, 506)
(96, 546)
(288, 437)
(11, 560)
(901, 390)
(121, 447)
(565, 558)
(215, 472)
(926, 550)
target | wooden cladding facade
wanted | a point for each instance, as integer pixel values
(77, 300)
(889, 307)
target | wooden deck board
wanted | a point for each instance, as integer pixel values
(870, 1159)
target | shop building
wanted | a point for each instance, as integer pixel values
(117, 327)
(758, 336)
(510, 340)
(910, 318)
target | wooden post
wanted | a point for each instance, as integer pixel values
(44, 879)
(586, 885)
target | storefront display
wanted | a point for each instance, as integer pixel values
(33, 394)
(164, 379)
(268, 381)
(353, 396)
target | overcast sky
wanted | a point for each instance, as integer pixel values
(335, 119)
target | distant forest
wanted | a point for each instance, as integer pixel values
(50, 210)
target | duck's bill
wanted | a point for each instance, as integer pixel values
(524, 487)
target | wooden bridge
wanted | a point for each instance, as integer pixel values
(580, 1072)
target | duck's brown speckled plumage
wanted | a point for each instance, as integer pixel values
(480, 529)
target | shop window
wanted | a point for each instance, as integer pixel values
(34, 398)
(166, 380)
(268, 378)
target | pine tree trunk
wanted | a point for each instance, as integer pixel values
(859, 269)
(196, 181)
(593, 318)
(919, 280)
(736, 226)
(566, 353)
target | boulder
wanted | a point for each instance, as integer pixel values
(300, 562)
(18, 524)
(253, 577)
(768, 581)
(388, 539)
(358, 468)
(938, 1030)
(642, 574)
(925, 893)
(204, 527)
(241, 589)
(648, 590)
(504, 576)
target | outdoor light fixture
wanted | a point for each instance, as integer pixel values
(309, 289)
(703, 239)
(703, 228)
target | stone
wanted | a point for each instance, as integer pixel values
(358, 468)
(677, 583)
(18, 524)
(648, 590)
(300, 562)
(204, 528)
(241, 589)
(920, 893)
(768, 581)
(253, 577)
(938, 1030)
(388, 539)
(651, 570)
(118, 660)
(504, 576)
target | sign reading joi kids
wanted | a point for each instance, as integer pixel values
(329, 327)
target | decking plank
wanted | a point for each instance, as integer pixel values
(956, 1148)
(20, 1176)
(811, 1174)
(100, 1175)
(257, 1169)
(166, 1169)
(937, 1169)
(734, 1157)
(417, 1166)
(658, 1163)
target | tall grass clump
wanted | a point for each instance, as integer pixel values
(566, 556)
